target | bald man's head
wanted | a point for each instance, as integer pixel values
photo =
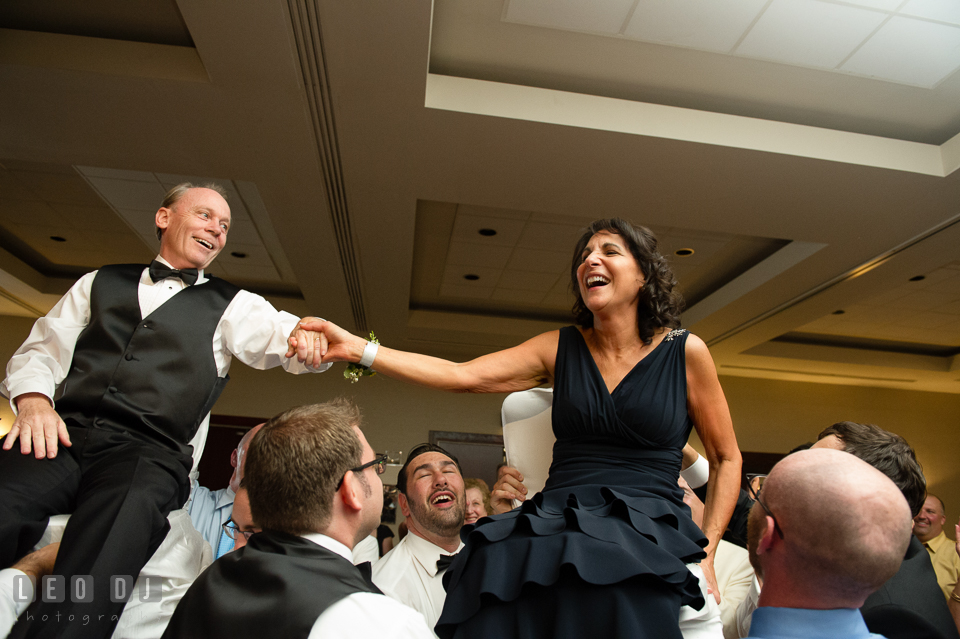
(238, 457)
(845, 528)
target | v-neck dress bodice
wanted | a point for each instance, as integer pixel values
(611, 510)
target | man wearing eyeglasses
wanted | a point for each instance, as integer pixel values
(314, 487)
(210, 510)
(240, 527)
(433, 500)
(826, 531)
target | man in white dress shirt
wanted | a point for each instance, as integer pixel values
(314, 487)
(135, 357)
(432, 500)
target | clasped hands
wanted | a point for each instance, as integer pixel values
(316, 341)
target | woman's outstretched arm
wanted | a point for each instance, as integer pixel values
(711, 417)
(514, 369)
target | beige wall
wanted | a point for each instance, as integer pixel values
(769, 416)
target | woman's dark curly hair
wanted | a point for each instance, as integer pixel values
(660, 304)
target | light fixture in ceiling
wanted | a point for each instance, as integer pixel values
(684, 252)
(57, 238)
(471, 277)
(918, 278)
(487, 232)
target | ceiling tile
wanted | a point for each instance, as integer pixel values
(528, 281)
(809, 33)
(555, 301)
(89, 217)
(536, 260)
(953, 308)
(910, 51)
(478, 254)
(116, 174)
(128, 194)
(476, 292)
(919, 301)
(141, 222)
(491, 211)
(517, 296)
(942, 10)
(59, 187)
(20, 211)
(238, 270)
(885, 5)
(551, 237)
(712, 25)
(595, 17)
(467, 228)
(243, 232)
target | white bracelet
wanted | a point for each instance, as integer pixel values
(369, 354)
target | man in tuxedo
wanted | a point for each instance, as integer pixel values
(314, 488)
(826, 531)
(433, 501)
(138, 356)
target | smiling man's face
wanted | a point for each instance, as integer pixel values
(435, 500)
(194, 229)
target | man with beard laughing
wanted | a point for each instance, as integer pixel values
(433, 502)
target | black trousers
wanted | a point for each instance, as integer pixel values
(119, 489)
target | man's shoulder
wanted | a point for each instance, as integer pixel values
(366, 613)
(392, 567)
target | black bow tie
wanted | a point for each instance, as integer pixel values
(160, 271)
(444, 562)
(366, 571)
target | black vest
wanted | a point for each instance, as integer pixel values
(275, 586)
(153, 377)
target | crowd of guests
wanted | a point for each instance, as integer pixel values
(846, 525)
(629, 537)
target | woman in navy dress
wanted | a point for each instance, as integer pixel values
(603, 549)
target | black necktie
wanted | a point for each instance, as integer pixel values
(444, 562)
(160, 271)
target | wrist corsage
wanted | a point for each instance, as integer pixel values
(354, 372)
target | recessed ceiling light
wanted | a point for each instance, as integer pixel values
(57, 238)
(917, 278)
(684, 252)
(238, 254)
(840, 312)
(471, 277)
(487, 232)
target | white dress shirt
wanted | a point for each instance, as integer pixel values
(10, 607)
(365, 614)
(251, 330)
(408, 573)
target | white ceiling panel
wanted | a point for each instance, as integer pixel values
(517, 296)
(481, 254)
(885, 5)
(942, 10)
(548, 236)
(473, 292)
(129, 194)
(528, 281)
(809, 33)
(909, 51)
(596, 17)
(538, 260)
(711, 25)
